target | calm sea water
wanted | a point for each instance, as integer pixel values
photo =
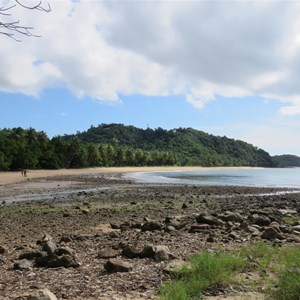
(262, 177)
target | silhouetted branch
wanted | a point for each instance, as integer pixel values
(11, 29)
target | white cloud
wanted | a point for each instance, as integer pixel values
(199, 49)
(276, 139)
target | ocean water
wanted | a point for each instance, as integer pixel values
(260, 177)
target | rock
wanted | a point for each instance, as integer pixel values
(42, 294)
(229, 216)
(2, 250)
(211, 239)
(66, 261)
(23, 264)
(54, 261)
(176, 265)
(66, 238)
(147, 252)
(208, 219)
(108, 253)
(234, 235)
(64, 251)
(151, 226)
(253, 230)
(162, 253)
(114, 226)
(271, 233)
(30, 255)
(117, 266)
(85, 211)
(66, 215)
(170, 228)
(130, 252)
(199, 228)
(287, 211)
(49, 247)
(260, 220)
(296, 228)
(176, 222)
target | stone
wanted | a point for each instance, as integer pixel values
(85, 211)
(147, 252)
(162, 253)
(271, 233)
(66, 261)
(234, 235)
(184, 206)
(113, 266)
(66, 239)
(208, 219)
(199, 228)
(175, 222)
(41, 294)
(2, 250)
(114, 226)
(108, 253)
(176, 265)
(260, 220)
(30, 255)
(287, 211)
(253, 230)
(54, 261)
(130, 252)
(23, 264)
(49, 247)
(151, 226)
(296, 228)
(64, 251)
(229, 216)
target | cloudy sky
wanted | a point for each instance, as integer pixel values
(225, 67)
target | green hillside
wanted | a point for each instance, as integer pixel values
(286, 160)
(119, 145)
(190, 146)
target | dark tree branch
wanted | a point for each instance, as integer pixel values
(13, 28)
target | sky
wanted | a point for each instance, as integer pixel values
(229, 68)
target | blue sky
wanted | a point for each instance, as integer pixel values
(225, 67)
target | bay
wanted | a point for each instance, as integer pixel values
(260, 177)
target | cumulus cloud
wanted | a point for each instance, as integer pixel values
(199, 49)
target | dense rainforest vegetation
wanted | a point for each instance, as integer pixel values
(286, 160)
(119, 145)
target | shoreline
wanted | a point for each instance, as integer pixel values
(11, 177)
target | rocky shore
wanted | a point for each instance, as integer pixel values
(104, 237)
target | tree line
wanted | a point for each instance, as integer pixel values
(31, 149)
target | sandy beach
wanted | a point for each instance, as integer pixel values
(13, 177)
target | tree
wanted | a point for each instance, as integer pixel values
(13, 28)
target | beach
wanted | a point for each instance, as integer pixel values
(98, 215)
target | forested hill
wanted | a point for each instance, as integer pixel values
(190, 146)
(287, 160)
(119, 145)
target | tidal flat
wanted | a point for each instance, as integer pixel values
(66, 228)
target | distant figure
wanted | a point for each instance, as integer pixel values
(25, 173)
(22, 172)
